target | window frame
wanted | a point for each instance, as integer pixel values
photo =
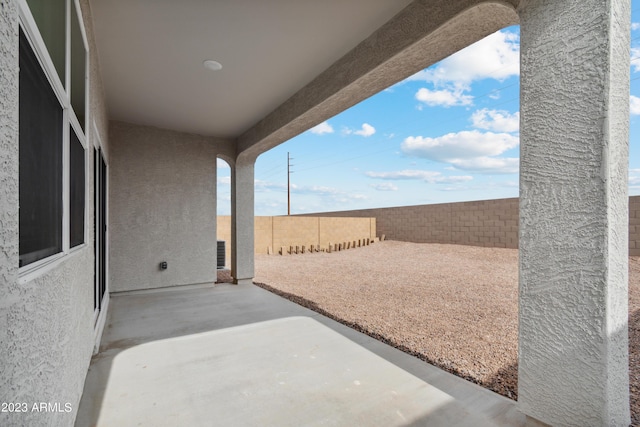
(85, 157)
(62, 91)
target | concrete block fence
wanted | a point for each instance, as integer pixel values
(276, 232)
(490, 223)
(634, 225)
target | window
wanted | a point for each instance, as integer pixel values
(50, 18)
(40, 161)
(52, 97)
(78, 68)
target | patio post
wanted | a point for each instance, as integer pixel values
(242, 212)
(573, 340)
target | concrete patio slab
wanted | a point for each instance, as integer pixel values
(239, 355)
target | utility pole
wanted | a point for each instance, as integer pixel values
(288, 184)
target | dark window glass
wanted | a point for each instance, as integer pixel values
(40, 161)
(78, 68)
(50, 18)
(76, 189)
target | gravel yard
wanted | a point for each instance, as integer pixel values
(453, 306)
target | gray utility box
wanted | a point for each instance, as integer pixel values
(221, 254)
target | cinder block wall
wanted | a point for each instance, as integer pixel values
(338, 230)
(288, 231)
(492, 223)
(279, 231)
(634, 225)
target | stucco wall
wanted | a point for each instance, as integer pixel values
(492, 223)
(573, 264)
(46, 324)
(162, 208)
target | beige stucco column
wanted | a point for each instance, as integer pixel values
(242, 212)
(573, 347)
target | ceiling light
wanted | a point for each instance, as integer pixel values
(212, 65)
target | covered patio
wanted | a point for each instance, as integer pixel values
(116, 101)
(240, 355)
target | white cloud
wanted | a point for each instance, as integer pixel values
(490, 165)
(467, 150)
(496, 120)
(327, 193)
(444, 98)
(511, 186)
(266, 186)
(366, 130)
(634, 105)
(635, 59)
(497, 56)
(461, 145)
(431, 177)
(322, 128)
(221, 164)
(405, 174)
(224, 180)
(314, 189)
(635, 26)
(456, 188)
(386, 186)
(634, 178)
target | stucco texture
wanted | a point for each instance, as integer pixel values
(10, 351)
(573, 363)
(46, 324)
(162, 194)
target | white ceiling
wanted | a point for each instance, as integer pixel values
(151, 54)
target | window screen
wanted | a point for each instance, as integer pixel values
(76, 189)
(40, 161)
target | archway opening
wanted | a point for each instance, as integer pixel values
(434, 159)
(223, 215)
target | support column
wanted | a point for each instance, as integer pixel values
(573, 342)
(242, 228)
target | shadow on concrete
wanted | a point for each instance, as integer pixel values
(497, 383)
(151, 318)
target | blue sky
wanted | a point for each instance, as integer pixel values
(447, 134)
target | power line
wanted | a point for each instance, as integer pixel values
(278, 169)
(288, 183)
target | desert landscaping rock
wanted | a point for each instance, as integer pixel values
(453, 306)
